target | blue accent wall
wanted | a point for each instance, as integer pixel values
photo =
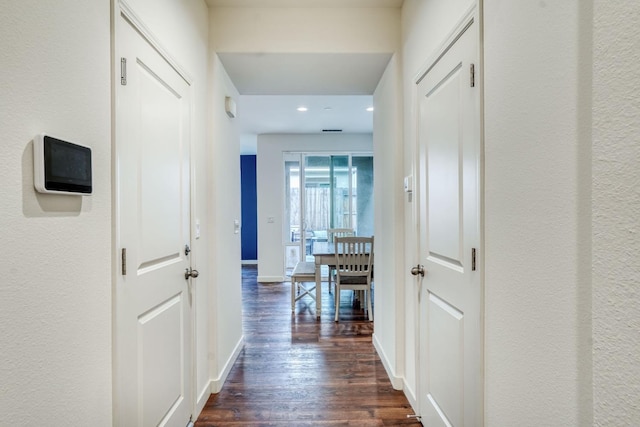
(249, 200)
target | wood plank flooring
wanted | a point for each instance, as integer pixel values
(296, 371)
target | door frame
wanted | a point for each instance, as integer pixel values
(121, 10)
(473, 15)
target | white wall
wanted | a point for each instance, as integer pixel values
(616, 213)
(223, 178)
(390, 330)
(55, 293)
(270, 188)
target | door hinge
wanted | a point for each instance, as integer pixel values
(472, 70)
(123, 71)
(124, 261)
(473, 259)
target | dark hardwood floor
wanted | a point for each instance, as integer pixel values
(296, 371)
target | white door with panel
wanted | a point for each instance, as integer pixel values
(450, 351)
(153, 345)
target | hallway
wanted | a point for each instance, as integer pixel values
(295, 371)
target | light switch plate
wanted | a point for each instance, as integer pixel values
(408, 184)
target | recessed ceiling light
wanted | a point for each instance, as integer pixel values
(302, 109)
(370, 109)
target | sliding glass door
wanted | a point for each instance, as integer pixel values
(325, 191)
(294, 238)
(361, 173)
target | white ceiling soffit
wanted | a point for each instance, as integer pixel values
(306, 3)
(305, 73)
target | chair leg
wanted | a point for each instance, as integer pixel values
(367, 295)
(293, 295)
(337, 301)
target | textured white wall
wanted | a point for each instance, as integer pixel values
(616, 213)
(270, 188)
(55, 293)
(536, 242)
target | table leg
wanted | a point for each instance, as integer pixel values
(318, 289)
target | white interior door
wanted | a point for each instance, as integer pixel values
(153, 306)
(450, 357)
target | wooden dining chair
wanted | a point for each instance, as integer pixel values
(354, 263)
(332, 233)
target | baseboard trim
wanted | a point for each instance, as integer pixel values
(203, 396)
(270, 279)
(396, 382)
(411, 397)
(216, 384)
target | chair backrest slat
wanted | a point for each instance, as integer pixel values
(354, 255)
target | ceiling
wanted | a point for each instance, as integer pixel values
(306, 3)
(335, 87)
(259, 114)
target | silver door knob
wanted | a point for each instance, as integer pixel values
(418, 270)
(188, 272)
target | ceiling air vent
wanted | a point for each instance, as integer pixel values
(332, 130)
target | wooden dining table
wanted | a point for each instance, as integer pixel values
(324, 254)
